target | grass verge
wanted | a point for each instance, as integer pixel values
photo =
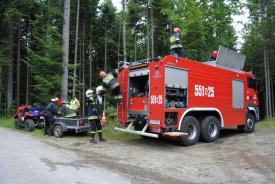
(108, 131)
(267, 123)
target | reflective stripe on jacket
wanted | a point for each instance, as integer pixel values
(175, 41)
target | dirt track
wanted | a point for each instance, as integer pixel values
(233, 158)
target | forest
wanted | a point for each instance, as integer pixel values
(52, 48)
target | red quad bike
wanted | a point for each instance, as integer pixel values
(29, 117)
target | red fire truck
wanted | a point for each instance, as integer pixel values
(174, 96)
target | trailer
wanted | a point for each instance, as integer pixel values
(76, 125)
(174, 96)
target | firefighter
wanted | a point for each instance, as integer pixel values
(93, 109)
(214, 55)
(111, 82)
(69, 110)
(175, 44)
(50, 112)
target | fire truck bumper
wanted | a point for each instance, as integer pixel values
(142, 132)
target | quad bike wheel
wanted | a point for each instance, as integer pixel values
(29, 125)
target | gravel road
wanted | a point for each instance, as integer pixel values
(233, 158)
(26, 160)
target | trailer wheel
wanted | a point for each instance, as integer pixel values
(29, 125)
(16, 123)
(189, 125)
(58, 131)
(210, 129)
(249, 125)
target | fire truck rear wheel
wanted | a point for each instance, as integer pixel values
(210, 129)
(250, 124)
(189, 125)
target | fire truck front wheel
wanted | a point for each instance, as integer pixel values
(249, 125)
(210, 129)
(189, 125)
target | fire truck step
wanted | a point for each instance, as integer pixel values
(137, 132)
(175, 134)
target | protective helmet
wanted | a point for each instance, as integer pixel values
(99, 90)
(176, 29)
(101, 74)
(56, 99)
(89, 93)
(215, 54)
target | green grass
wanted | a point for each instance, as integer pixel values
(7, 122)
(108, 131)
(267, 123)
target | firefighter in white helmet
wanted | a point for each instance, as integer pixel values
(93, 111)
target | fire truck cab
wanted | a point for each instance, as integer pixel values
(174, 96)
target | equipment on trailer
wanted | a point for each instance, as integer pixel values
(174, 96)
(29, 117)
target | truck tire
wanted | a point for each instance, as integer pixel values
(29, 125)
(210, 129)
(249, 124)
(16, 123)
(58, 131)
(190, 125)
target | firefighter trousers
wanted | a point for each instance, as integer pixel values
(95, 126)
(49, 121)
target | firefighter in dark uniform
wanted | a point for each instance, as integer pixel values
(110, 81)
(175, 44)
(214, 56)
(50, 112)
(93, 110)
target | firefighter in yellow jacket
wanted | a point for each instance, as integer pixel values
(175, 43)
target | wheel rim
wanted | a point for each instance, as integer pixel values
(212, 129)
(57, 131)
(249, 123)
(192, 130)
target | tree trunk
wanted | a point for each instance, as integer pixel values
(152, 29)
(65, 46)
(1, 88)
(90, 60)
(75, 48)
(10, 69)
(18, 67)
(27, 85)
(83, 69)
(266, 85)
(105, 50)
(124, 32)
(148, 31)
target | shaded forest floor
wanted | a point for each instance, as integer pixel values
(233, 158)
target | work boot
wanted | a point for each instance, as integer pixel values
(92, 140)
(101, 137)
